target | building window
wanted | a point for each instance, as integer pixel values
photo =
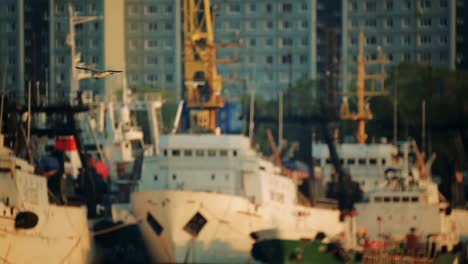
(286, 59)
(151, 9)
(93, 43)
(269, 59)
(234, 8)
(133, 10)
(304, 24)
(269, 42)
(407, 40)
(169, 9)
(252, 42)
(11, 8)
(304, 6)
(285, 24)
(371, 40)
(132, 44)
(371, 5)
(169, 60)
(286, 42)
(60, 9)
(303, 59)
(11, 43)
(287, 8)
(354, 6)
(269, 24)
(252, 7)
(168, 26)
(425, 39)
(92, 8)
(150, 78)
(371, 23)
(96, 26)
(389, 22)
(151, 44)
(251, 25)
(151, 27)
(60, 60)
(389, 5)
(94, 59)
(425, 22)
(305, 41)
(443, 39)
(425, 3)
(443, 22)
(407, 57)
(426, 57)
(168, 77)
(151, 60)
(388, 40)
(443, 3)
(407, 4)
(405, 22)
(268, 8)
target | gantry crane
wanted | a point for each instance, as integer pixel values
(202, 82)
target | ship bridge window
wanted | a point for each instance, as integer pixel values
(188, 153)
(362, 161)
(373, 161)
(351, 161)
(384, 161)
(378, 199)
(405, 199)
(175, 152)
(386, 199)
(414, 199)
(223, 153)
(211, 152)
(195, 224)
(155, 225)
(396, 199)
(262, 168)
(200, 152)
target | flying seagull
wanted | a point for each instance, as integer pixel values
(99, 74)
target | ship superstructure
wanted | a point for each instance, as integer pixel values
(203, 193)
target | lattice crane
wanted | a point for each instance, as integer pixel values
(202, 82)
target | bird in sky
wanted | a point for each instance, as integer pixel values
(98, 73)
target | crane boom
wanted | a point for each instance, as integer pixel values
(202, 82)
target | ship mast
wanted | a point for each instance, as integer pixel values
(364, 114)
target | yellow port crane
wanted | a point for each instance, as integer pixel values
(202, 83)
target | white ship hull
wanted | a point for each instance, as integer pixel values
(225, 238)
(60, 236)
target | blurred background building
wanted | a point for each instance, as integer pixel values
(280, 42)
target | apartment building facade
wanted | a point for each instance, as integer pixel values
(420, 31)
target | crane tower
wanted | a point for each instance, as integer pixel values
(202, 83)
